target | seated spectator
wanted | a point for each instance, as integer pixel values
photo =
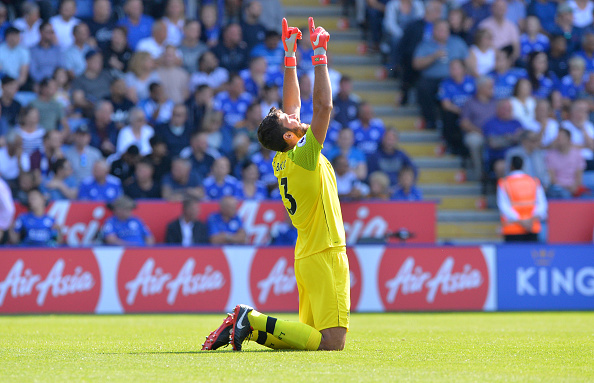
(271, 49)
(545, 11)
(476, 11)
(306, 96)
(140, 76)
(104, 133)
(137, 133)
(123, 167)
(74, 55)
(532, 157)
(558, 56)
(255, 77)
(174, 79)
(218, 133)
(379, 186)
(143, 186)
(11, 108)
(199, 104)
(29, 129)
(154, 44)
(177, 132)
(253, 31)
(64, 23)
(211, 25)
(283, 233)
(81, 155)
(187, 230)
(250, 187)
(174, 20)
(29, 24)
(346, 104)
(123, 228)
(62, 185)
(45, 56)
(367, 129)
(481, 56)
(406, 190)
(121, 104)
(43, 159)
(138, 24)
(225, 227)
(522, 103)
(35, 228)
(582, 131)
(270, 99)
(102, 23)
(504, 32)
(181, 183)
(272, 13)
(453, 93)
(575, 82)
(389, 159)
(348, 186)
(200, 155)
(26, 183)
(7, 208)
(160, 159)
(220, 183)
(546, 127)
(459, 22)
(14, 57)
(398, 15)
(355, 157)
(117, 54)
(544, 82)
(63, 82)
(13, 160)
(92, 85)
(209, 73)
(263, 160)
(566, 166)
(587, 52)
(234, 102)
(232, 52)
(582, 13)
(51, 111)
(240, 156)
(191, 47)
(157, 107)
(249, 126)
(532, 40)
(101, 186)
(504, 77)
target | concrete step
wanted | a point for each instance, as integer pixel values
(354, 59)
(472, 215)
(457, 202)
(378, 97)
(420, 149)
(436, 163)
(418, 136)
(443, 189)
(442, 176)
(360, 72)
(305, 3)
(466, 230)
(384, 85)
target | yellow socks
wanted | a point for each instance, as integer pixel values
(269, 340)
(295, 334)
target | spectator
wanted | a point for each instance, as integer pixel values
(156, 43)
(582, 131)
(232, 52)
(35, 228)
(103, 131)
(42, 160)
(181, 183)
(14, 58)
(7, 210)
(160, 159)
(101, 186)
(476, 11)
(306, 96)
(225, 227)
(523, 104)
(432, 59)
(545, 11)
(253, 31)
(177, 132)
(29, 24)
(346, 104)
(209, 73)
(199, 105)
(120, 103)
(458, 22)
(187, 230)
(348, 185)
(255, 77)
(379, 186)
(92, 85)
(516, 13)
(157, 107)
(367, 129)
(117, 53)
(124, 229)
(137, 133)
(123, 167)
(546, 127)
(566, 166)
(138, 25)
(140, 76)
(63, 81)
(388, 158)
(174, 20)
(51, 111)
(240, 156)
(575, 82)
(587, 52)
(62, 185)
(532, 40)
(13, 160)
(45, 56)
(81, 156)
(272, 14)
(270, 99)
(102, 24)
(406, 190)
(453, 93)
(504, 32)
(234, 102)
(582, 12)
(481, 57)
(221, 183)
(200, 156)
(143, 185)
(74, 56)
(250, 187)
(26, 183)
(64, 23)
(218, 134)
(354, 156)
(263, 159)
(532, 157)
(271, 49)
(398, 15)
(504, 77)
(249, 126)
(29, 129)
(478, 110)
(564, 27)
(522, 205)
(191, 47)
(283, 233)
(211, 30)
(11, 108)
(544, 82)
(174, 79)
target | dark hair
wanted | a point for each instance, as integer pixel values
(43, 25)
(10, 31)
(406, 168)
(7, 80)
(517, 163)
(146, 161)
(531, 75)
(153, 86)
(132, 150)
(566, 131)
(76, 27)
(121, 28)
(156, 140)
(517, 86)
(187, 202)
(58, 165)
(45, 82)
(271, 131)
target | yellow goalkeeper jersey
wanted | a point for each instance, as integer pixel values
(307, 186)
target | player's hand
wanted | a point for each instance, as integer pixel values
(319, 38)
(290, 37)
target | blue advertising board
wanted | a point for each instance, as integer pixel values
(541, 277)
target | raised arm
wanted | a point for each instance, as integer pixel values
(291, 99)
(322, 93)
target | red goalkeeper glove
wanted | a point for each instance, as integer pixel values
(290, 37)
(319, 42)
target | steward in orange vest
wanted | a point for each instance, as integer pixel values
(522, 204)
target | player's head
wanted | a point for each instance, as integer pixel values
(280, 131)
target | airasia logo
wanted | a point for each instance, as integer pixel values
(428, 279)
(36, 281)
(86, 229)
(272, 280)
(192, 280)
(364, 225)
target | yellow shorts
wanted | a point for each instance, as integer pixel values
(323, 280)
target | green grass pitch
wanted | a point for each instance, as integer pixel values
(466, 347)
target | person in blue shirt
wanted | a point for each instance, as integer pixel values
(346, 104)
(271, 49)
(532, 40)
(250, 187)
(587, 52)
(101, 186)
(356, 158)
(564, 26)
(35, 228)
(220, 183)
(545, 11)
(575, 82)
(225, 227)
(138, 24)
(504, 77)
(263, 160)
(367, 129)
(124, 229)
(63, 184)
(181, 182)
(305, 91)
(453, 93)
(283, 233)
(388, 158)
(406, 190)
(544, 82)
(234, 102)
(501, 133)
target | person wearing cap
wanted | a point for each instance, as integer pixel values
(14, 58)
(45, 56)
(92, 85)
(564, 26)
(81, 155)
(101, 186)
(123, 228)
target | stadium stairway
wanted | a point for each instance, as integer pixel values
(462, 216)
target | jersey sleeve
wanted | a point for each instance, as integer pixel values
(307, 151)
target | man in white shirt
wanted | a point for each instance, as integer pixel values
(64, 22)
(29, 24)
(155, 45)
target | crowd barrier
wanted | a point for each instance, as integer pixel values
(213, 279)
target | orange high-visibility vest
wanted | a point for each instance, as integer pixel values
(521, 190)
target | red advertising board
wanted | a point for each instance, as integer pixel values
(430, 279)
(571, 221)
(46, 281)
(272, 280)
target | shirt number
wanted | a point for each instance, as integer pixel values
(289, 197)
